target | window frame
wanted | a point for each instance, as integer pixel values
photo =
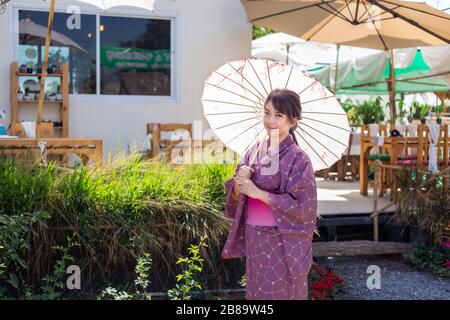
(114, 12)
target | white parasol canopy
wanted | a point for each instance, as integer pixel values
(233, 103)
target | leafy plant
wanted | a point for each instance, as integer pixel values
(423, 110)
(114, 294)
(431, 258)
(15, 246)
(52, 286)
(352, 112)
(369, 111)
(402, 112)
(188, 277)
(438, 110)
(142, 269)
(243, 281)
(260, 31)
(423, 199)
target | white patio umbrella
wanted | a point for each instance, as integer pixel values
(233, 103)
(376, 24)
(303, 54)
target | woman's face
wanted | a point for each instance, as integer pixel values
(274, 120)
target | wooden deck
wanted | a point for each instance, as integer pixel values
(343, 198)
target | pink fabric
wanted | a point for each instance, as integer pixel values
(407, 162)
(259, 213)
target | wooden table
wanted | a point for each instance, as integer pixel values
(86, 148)
(392, 145)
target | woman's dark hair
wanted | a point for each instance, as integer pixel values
(286, 102)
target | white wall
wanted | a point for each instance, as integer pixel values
(207, 34)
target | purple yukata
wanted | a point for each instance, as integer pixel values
(279, 257)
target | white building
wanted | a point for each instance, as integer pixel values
(198, 35)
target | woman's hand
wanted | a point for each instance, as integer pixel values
(245, 172)
(247, 187)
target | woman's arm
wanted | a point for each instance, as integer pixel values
(262, 195)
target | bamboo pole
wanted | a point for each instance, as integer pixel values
(337, 66)
(44, 69)
(392, 90)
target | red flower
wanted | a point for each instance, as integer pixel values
(325, 284)
(446, 264)
(446, 244)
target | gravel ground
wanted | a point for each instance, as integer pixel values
(399, 281)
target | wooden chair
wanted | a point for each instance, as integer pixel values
(367, 138)
(442, 147)
(46, 129)
(155, 129)
(352, 156)
(422, 144)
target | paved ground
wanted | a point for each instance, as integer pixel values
(343, 197)
(398, 280)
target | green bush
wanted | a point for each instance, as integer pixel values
(369, 111)
(15, 233)
(117, 213)
(431, 258)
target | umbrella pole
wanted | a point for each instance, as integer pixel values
(44, 69)
(287, 53)
(392, 89)
(337, 66)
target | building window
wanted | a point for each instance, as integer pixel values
(135, 53)
(135, 56)
(76, 47)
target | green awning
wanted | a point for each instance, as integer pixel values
(351, 85)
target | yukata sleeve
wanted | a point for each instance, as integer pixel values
(230, 204)
(298, 205)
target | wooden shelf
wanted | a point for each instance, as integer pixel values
(36, 101)
(63, 104)
(39, 75)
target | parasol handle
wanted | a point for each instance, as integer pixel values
(254, 155)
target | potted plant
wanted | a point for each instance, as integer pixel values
(351, 109)
(424, 108)
(20, 94)
(28, 94)
(38, 68)
(23, 68)
(30, 69)
(438, 109)
(401, 111)
(371, 111)
(411, 113)
(52, 96)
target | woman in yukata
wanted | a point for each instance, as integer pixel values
(273, 205)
